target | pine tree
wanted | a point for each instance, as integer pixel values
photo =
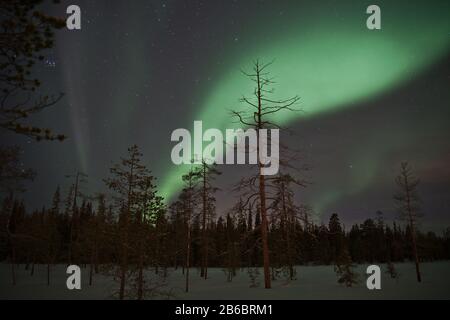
(355, 244)
(231, 249)
(344, 269)
(149, 209)
(286, 213)
(189, 202)
(127, 179)
(52, 236)
(336, 237)
(207, 174)
(369, 240)
(324, 250)
(380, 238)
(74, 193)
(96, 236)
(26, 34)
(177, 223)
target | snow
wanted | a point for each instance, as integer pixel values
(313, 282)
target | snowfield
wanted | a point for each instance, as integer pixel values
(313, 282)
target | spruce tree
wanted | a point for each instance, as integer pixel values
(344, 269)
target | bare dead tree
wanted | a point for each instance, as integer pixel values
(258, 114)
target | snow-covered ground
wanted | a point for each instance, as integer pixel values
(313, 282)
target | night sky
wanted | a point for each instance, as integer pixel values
(140, 69)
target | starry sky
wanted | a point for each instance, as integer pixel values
(370, 99)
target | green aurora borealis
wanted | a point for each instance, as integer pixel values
(370, 99)
(332, 61)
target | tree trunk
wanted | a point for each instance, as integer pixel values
(13, 255)
(262, 193)
(413, 231)
(204, 249)
(48, 274)
(287, 225)
(264, 229)
(91, 272)
(206, 257)
(124, 262)
(27, 265)
(124, 258)
(188, 249)
(416, 255)
(13, 265)
(140, 294)
(123, 269)
(91, 266)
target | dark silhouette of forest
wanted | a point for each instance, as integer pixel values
(43, 236)
(133, 231)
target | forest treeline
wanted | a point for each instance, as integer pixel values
(45, 236)
(131, 231)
